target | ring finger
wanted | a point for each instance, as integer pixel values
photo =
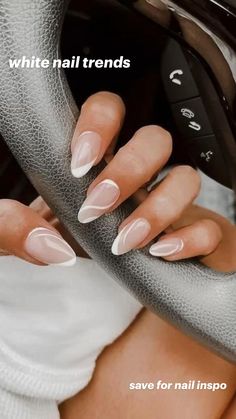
(161, 209)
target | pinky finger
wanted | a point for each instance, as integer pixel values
(199, 239)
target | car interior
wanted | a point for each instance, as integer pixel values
(180, 77)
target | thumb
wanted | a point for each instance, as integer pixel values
(24, 233)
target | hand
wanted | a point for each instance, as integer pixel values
(30, 234)
(186, 231)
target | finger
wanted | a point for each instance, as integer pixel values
(163, 206)
(99, 123)
(25, 234)
(40, 206)
(133, 166)
(200, 239)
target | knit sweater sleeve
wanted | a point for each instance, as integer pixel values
(55, 321)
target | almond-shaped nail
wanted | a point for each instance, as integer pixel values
(99, 201)
(49, 248)
(85, 153)
(166, 247)
(131, 236)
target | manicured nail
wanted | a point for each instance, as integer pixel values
(99, 201)
(131, 236)
(167, 247)
(85, 153)
(48, 247)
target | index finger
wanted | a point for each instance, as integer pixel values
(99, 123)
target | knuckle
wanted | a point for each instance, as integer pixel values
(165, 208)
(210, 235)
(111, 98)
(8, 206)
(11, 214)
(105, 95)
(154, 131)
(105, 103)
(184, 170)
(130, 160)
(189, 173)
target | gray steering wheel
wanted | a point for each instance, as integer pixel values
(37, 119)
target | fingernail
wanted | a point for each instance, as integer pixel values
(99, 201)
(131, 236)
(48, 247)
(85, 153)
(167, 247)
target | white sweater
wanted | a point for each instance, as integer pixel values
(54, 323)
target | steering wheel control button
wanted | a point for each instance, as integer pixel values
(176, 74)
(206, 154)
(191, 118)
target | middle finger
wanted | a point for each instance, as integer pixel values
(133, 166)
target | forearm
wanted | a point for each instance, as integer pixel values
(150, 351)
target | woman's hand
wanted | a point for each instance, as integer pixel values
(29, 233)
(185, 231)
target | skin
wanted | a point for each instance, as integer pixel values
(150, 351)
(170, 210)
(131, 168)
(137, 163)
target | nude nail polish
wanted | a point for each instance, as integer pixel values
(49, 248)
(85, 153)
(131, 236)
(99, 201)
(166, 247)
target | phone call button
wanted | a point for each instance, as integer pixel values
(177, 77)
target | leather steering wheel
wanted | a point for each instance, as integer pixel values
(37, 119)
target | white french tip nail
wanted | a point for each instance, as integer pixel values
(99, 201)
(85, 153)
(115, 246)
(83, 220)
(131, 236)
(165, 248)
(48, 247)
(83, 170)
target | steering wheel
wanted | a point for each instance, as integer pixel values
(37, 120)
